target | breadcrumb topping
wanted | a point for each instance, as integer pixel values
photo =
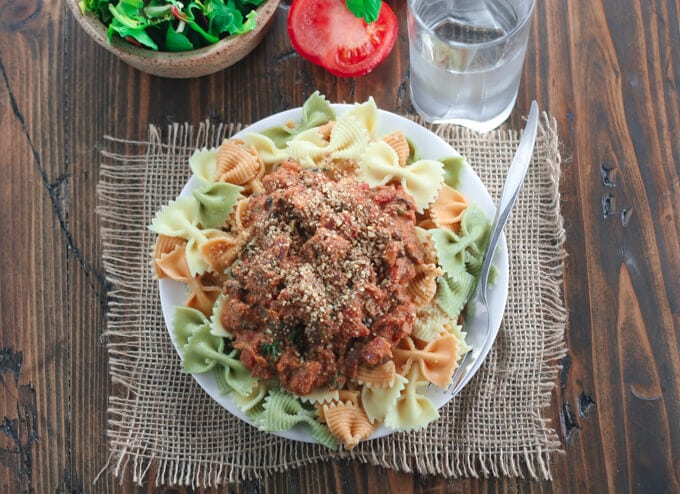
(320, 287)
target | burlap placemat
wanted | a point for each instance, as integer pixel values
(160, 418)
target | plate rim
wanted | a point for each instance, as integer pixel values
(387, 121)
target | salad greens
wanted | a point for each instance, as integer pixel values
(172, 25)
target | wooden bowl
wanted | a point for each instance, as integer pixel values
(180, 65)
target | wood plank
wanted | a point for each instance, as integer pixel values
(34, 318)
(85, 107)
(608, 115)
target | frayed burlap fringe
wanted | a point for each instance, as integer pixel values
(161, 421)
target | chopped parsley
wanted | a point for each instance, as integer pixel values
(294, 334)
(270, 350)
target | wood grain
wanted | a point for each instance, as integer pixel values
(608, 70)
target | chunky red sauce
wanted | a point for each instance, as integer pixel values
(320, 287)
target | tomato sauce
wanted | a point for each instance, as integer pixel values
(320, 287)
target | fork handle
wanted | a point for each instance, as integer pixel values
(513, 184)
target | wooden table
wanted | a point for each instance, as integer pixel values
(608, 70)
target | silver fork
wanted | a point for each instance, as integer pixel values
(513, 183)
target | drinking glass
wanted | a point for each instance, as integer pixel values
(466, 59)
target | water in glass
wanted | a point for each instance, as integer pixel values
(466, 59)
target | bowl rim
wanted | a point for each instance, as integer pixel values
(98, 31)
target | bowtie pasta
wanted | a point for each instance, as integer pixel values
(327, 268)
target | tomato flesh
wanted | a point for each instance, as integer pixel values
(326, 33)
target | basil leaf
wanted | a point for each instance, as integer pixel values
(367, 10)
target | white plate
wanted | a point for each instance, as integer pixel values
(429, 146)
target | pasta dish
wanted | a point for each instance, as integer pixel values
(327, 269)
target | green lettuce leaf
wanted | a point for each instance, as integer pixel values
(174, 25)
(175, 41)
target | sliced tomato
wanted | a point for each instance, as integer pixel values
(326, 33)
